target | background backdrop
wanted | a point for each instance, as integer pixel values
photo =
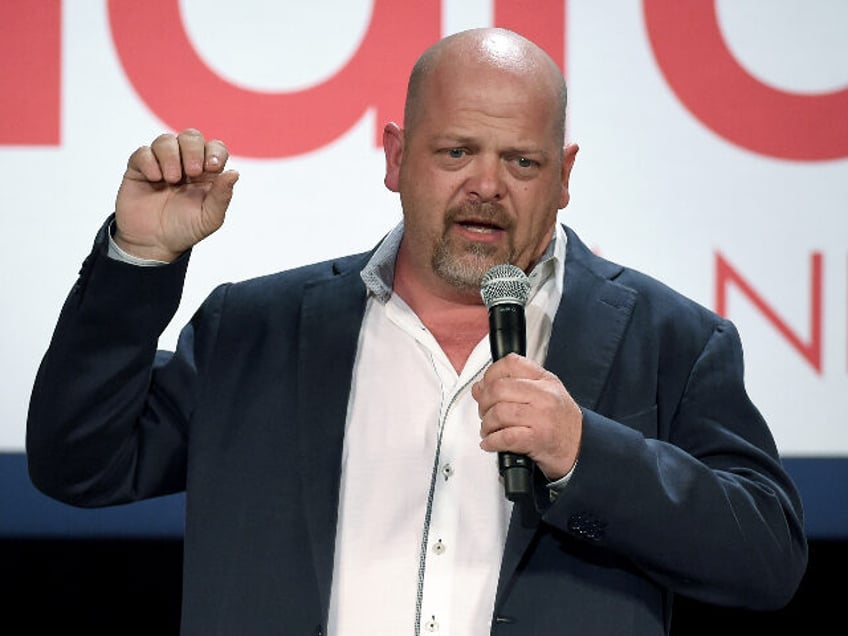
(714, 155)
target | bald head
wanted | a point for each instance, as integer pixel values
(487, 49)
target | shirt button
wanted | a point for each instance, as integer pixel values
(439, 547)
(447, 471)
(431, 625)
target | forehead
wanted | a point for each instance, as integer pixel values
(463, 98)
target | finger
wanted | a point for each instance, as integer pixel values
(166, 151)
(192, 149)
(503, 391)
(513, 366)
(142, 164)
(503, 415)
(513, 389)
(510, 366)
(551, 440)
(513, 439)
(507, 427)
(216, 156)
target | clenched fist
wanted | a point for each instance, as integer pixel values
(175, 193)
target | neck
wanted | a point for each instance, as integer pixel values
(457, 321)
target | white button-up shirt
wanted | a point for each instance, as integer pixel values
(422, 514)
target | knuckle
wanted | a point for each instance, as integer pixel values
(164, 138)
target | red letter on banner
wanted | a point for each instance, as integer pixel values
(542, 22)
(696, 62)
(812, 350)
(30, 77)
(184, 92)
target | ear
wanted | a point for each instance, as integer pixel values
(569, 154)
(393, 149)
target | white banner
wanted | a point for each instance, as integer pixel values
(713, 135)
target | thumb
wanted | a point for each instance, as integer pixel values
(221, 192)
(218, 198)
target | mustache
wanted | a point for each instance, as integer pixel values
(480, 213)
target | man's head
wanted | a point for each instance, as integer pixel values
(497, 47)
(480, 166)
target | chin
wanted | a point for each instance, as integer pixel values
(466, 271)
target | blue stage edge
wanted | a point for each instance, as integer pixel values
(25, 512)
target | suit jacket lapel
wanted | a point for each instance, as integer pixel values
(331, 317)
(587, 331)
(589, 324)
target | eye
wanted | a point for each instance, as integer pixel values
(524, 162)
(456, 153)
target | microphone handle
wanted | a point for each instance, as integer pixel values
(508, 334)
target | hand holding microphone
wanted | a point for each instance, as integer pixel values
(527, 414)
(505, 289)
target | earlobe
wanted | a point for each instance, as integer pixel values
(393, 150)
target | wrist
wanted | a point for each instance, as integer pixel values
(141, 254)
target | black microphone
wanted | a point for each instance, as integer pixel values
(505, 289)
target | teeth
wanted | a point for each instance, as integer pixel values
(480, 229)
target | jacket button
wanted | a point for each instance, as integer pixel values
(587, 526)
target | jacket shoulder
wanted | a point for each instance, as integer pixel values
(651, 294)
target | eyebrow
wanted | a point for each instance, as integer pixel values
(465, 140)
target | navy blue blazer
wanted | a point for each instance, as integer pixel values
(678, 489)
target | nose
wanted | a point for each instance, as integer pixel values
(485, 181)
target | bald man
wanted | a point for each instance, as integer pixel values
(336, 427)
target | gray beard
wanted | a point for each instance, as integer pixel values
(464, 270)
(463, 266)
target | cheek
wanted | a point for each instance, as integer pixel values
(534, 226)
(422, 216)
(424, 184)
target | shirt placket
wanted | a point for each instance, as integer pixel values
(439, 546)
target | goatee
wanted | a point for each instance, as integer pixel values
(463, 265)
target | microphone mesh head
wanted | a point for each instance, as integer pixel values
(504, 283)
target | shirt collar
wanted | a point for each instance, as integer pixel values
(378, 274)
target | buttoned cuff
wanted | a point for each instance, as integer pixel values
(118, 254)
(556, 487)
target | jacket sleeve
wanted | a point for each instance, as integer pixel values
(693, 493)
(108, 412)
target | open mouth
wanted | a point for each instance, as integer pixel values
(480, 227)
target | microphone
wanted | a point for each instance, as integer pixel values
(505, 289)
